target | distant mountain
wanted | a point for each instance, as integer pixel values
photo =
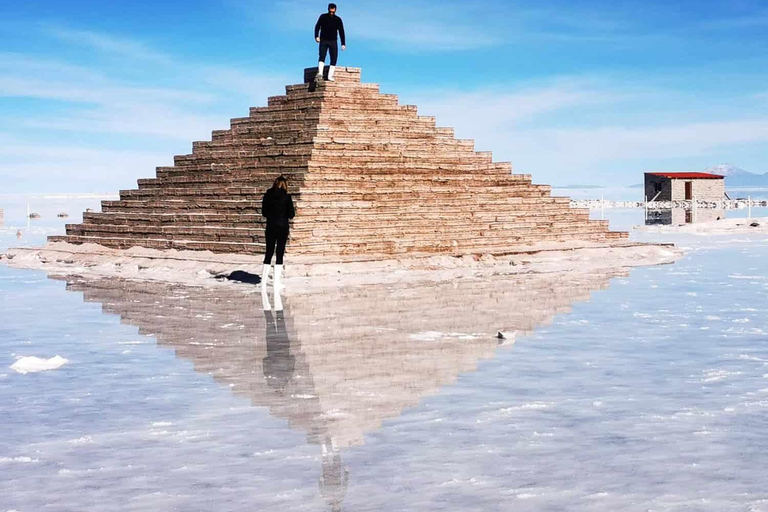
(637, 185)
(735, 177)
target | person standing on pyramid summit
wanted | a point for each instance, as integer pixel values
(327, 28)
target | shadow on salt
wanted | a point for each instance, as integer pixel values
(337, 363)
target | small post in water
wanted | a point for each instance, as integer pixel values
(646, 207)
(602, 208)
(695, 210)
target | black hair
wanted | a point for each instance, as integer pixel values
(280, 182)
(331, 6)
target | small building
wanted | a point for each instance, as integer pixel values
(684, 186)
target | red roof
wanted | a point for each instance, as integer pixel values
(687, 175)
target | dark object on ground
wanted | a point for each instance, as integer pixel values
(241, 276)
(500, 335)
(755, 225)
(63, 215)
(34, 215)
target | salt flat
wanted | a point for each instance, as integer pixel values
(631, 389)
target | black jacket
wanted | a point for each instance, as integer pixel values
(277, 207)
(327, 27)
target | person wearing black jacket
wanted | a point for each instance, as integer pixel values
(327, 28)
(277, 207)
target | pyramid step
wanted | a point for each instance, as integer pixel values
(216, 205)
(263, 181)
(368, 144)
(160, 244)
(252, 173)
(319, 199)
(458, 160)
(163, 210)
(190, 219)
(268, 151)
(340, 191)
(300, 132)
(250, 143)
(299, 119)
(392, 163)
(349, 100)
(344, 74)
(349, 143)
(360, 208)
(421, 153)
(353, 220)
(345, 192)
(394, 248)
(372, 229)
(375, 121)
(448, 230)
(349, 252)
(328, 87)
(301, 238)
(403, 168)
(233, 163)
(437, 244)
(385, 178)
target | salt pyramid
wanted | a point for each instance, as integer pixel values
(371, 179)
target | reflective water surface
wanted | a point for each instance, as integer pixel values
(646, 391)
(679, 216)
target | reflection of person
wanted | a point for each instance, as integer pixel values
(335, 477)
(279, 365)
(327, 28)
(277, 207)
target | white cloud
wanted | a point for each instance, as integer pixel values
(490, 110)
(107, 105)
(38, 166)
(81, 91)
(252, 87)
(414, 24)
(91, 106)
(533, 128)
(553, 153)
(420, 25)
(609, 143)
(107, 43)
(146, 120)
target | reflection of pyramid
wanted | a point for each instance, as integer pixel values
(336, 364)
(372, 178)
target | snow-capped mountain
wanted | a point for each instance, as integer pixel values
(736, 177)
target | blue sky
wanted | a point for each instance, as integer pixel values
(94, 95)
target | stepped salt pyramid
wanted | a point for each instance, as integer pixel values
(371, 179)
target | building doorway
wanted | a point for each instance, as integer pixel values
(688, 190)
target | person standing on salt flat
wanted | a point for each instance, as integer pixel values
(327, 28)
(277, 207)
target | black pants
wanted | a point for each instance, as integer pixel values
(276, 235)
(333, 46)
